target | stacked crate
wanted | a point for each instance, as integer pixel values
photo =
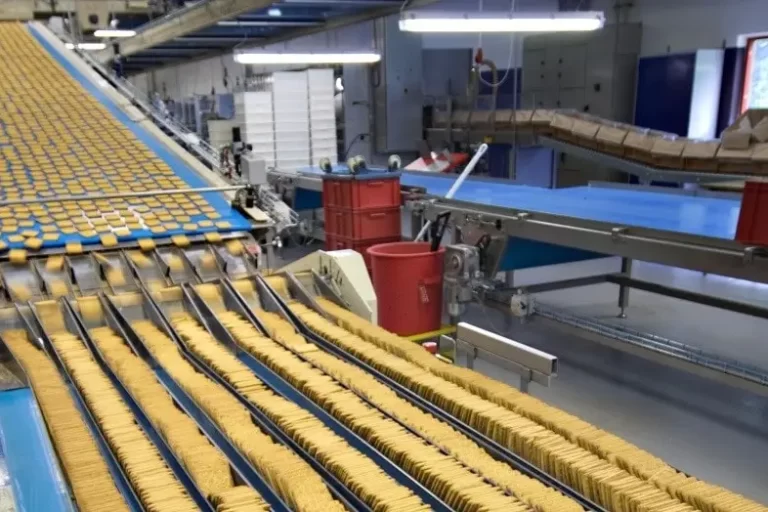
(361, 211)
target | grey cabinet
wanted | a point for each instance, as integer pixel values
(591, 72)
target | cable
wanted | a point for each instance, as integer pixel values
(359, 136)
(513, 5)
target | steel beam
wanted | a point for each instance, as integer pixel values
(196, 17)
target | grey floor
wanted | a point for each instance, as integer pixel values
(706, 429)
(714, 432)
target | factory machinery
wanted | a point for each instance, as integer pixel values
(150, 365)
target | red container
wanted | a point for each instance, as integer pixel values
(408, 279)
(354, 193)
(753, 218)
(336, 243)
(365, 224)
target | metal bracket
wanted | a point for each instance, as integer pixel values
(531, 364)
(616, 233)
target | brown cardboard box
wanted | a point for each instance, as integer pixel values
(503, 118)
(760, 157)
(481, 119)
(746, 123)
(440, 118)
(460, 118)
(736, 161)
(562, 124)
(700, 155)
(760, 131)
(585, 131)
(668, 152)
(542, 120)
(523, 118)
(736, 140)
(610, 138)
(638, 144)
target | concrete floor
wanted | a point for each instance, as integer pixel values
(706, 429)
(701, 427)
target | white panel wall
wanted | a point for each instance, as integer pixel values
(677, 26)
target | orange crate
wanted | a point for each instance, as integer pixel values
(361, 192)
(363, 224)
(752, 228)
(337, 243)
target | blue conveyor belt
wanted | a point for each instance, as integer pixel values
(216, 200)
(664, 211)
(35, 478)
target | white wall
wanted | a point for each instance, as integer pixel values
(679, 26)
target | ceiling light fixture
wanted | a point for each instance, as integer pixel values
(114, 33)
(576, 21)
(86, 46)
(265, 58)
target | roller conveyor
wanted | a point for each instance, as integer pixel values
(283, 389)
(79, 325)
(277, 301)
(35, 331)
(119, 316)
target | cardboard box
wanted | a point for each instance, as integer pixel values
(760, 131)
(736, 140)
(481, 118)
(503, 118)
(460, 118)
(585, 131)
(746, 123)
(736, 161)
(700, 155)
(610, 138)
(668, 152)
(562, 124)
(760, 157)
(523, 118)
(542, 120)
(440, 118)
(638, 145)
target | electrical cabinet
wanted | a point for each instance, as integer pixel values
(591, 72)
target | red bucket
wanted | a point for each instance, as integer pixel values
(408, 279)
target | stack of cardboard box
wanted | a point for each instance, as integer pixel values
(743, 148)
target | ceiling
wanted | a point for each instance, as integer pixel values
(280, 21)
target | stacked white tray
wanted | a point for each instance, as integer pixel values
(254, 113)
(322, 115)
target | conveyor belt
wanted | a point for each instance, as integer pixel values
(694, 215)
(100, 154)
(282, 388)
(634, 462)
(215, 299)
(32, 470)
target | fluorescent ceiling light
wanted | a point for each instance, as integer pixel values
(114, 33)
(576, 21)
(274, 12)
(306, 58)
(86, 46)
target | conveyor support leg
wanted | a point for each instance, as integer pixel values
(626, 270)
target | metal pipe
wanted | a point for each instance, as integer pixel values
(121, 195)
(462, 177)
